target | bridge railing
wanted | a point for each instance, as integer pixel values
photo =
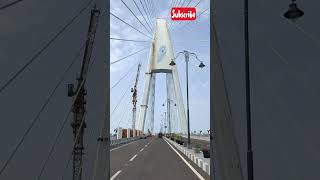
(123, 140)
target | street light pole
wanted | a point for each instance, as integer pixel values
(248, 101)
(165, 122)
(186, 55)
(201, 65)
(169, 118)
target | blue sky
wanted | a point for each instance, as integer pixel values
(193, 36)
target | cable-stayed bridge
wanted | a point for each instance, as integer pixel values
(133, 141)
(54, 49)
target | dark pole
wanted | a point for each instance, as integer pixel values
(186, 54)
(169, 124)
(165, 123)
(248, 105)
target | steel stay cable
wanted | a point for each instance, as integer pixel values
(127, 56)
(125, 75)
(64, 123)
(155, 10)
(175, 28)
(10, 4)
(168, 17)
(135, 16)
(43, 48)
(148, 8)
(173, 23)
(132, 40)
(142, 14)
(123, 114)
(125, 92)
(37, 117)
(183, 3)
(129, 101)
(298, 27)
(152, 8)
(146, 14)
(129, 25)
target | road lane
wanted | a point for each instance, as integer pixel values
(121, 155)
(157, 161)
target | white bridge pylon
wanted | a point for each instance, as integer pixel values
(161, 54)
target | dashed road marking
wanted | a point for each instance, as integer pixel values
(115, 175)
(141, 149)
(133, 157)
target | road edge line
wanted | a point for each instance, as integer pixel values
(185, 161)
(115, 175)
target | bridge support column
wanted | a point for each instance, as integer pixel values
(161, 54)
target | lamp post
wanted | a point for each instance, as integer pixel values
(247, 85)
(201, 65)
(169, 112)
(165, 122)
(293, 14)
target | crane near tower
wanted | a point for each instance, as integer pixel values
(134, 98)
(78, 124)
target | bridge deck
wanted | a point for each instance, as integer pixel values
(154, 159)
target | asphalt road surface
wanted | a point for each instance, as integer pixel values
(152, 159)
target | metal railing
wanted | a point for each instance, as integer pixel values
(123, 140)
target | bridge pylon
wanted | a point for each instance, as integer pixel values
(161, 54)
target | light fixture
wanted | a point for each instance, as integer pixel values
(172, 63)
(201, 65)
(293, 13)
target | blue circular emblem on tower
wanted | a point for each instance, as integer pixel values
(162, 51)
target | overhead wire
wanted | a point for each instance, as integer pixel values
(43, 48)
(43, 107)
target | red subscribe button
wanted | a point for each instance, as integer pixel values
(183, 14)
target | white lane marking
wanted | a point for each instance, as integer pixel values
(141, 149)
(115, 175)
(146, 145)
(133, 157)
(185, 161)
(123, 146)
